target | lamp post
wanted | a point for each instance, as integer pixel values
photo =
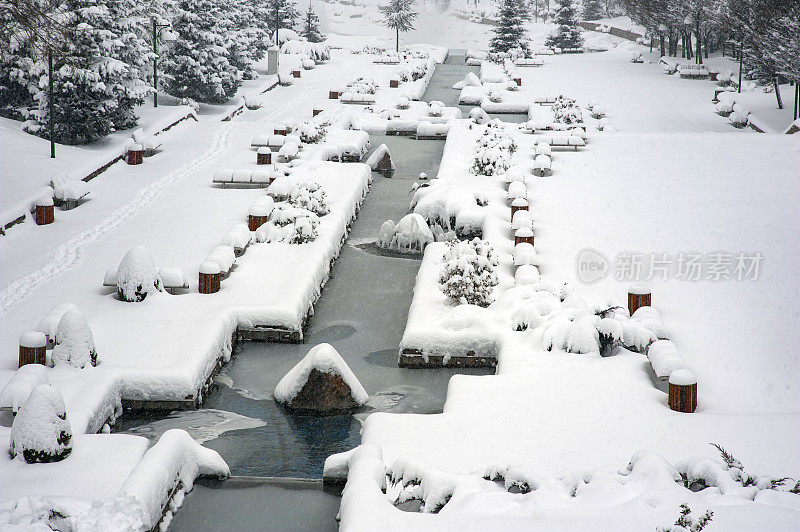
(167, 37)
(50, 125)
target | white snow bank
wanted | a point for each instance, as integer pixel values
(25, 379)
(325, 359)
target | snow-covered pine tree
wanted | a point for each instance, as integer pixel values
(592, 10)
(566, 35)
(311, 26)
(288, 14)
(467, 275)
(510, 32)
(197, 65)
(399, 16)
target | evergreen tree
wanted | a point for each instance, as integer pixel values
(311, 26)
(400, 17)
(197, 66)
(567, 35)
(592, 10)
(287, 13)
(510, 32)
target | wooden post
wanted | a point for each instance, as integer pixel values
(45, 211)
(518, 204)
(523, 234)
(333, 95)
(682, 391)
(394, 83)
(518, 81)
(295, 73)
(32, 348)
(264, 155)
(638, 296)
(135, 154)
(209, 278)
(257, 216)
(315, 112)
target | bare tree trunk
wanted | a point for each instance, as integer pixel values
(777, 92)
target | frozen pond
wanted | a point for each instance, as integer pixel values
(362, 313)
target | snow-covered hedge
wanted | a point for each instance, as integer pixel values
(309, 196)
(467, 275)
(566, 111)
(413, 69)
(41, 431)
(310, 132)
(362, 85)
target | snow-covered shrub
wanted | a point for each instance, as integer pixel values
(311, 197)
(74, 342)
(41, 431)
(490, 161)
(566, 111)
(687, 523)
(363, 85)
(467, 275)
(310, 132)
(253, 102)
(410, 235)
(413, 69)
(402, 102)
(137, 275)
(302, 230)
(285, 213)
(436, 108)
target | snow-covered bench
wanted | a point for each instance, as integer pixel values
(429, 131)
(69, 192)
(24, 380)
(49, 323)
(693, 71)
(223, 256)
(664, 358)
(151, 144)
(172, 278)
(238, 237)
(357, 98)
(542, 165)
(545, 100)
(243, 176)
(528, 62)
(288, 152)
(524, 253)
(565, 141)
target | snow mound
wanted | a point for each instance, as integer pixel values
(410, 235)
(325, 359)
(19, 388)
(74, 342)
(471, 80)
(374, 161)
(137, 275)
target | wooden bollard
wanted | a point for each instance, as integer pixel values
(295, 73)
(264, 155)
(518, 81)
(333, 95)
(209, 278)
(523, 234)
(682, 391)
(256, 217)
(45, 211)
(280, 131)
(32, 348)
(638, 296)
(135, 154)
(394, 83)
(315, 112)
(519, 204)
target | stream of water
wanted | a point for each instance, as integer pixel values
(362, 312)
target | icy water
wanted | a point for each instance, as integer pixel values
(362, 312)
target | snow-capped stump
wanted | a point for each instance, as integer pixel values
(264, 155)
(522, 235)
(316, 111)
(19, 388)
(665, 358)
(394, 83)
(257, 215)
(209, 280)
(134, 154)
(518, 81)
(321, 384)
(49, 323)
(638, 296)
(381, 161)
(74, 342)
(682, 391)
(32, 348)
(41, 431)
(137, 275)
(44, 212)
(333, 95)
(295, 73)
(280, 131)
(519, 204)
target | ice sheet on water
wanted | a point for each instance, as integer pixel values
(202, 425)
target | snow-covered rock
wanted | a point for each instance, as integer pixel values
(321, 383)
(381, 160)
(410, 235)
(41, 431)
(470, 80)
